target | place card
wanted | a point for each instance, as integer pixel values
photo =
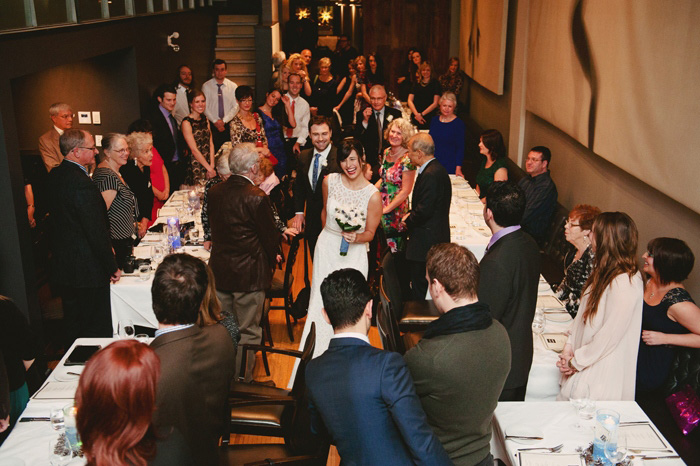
(554, 341)
(57, 390)
(642, 437)
(550, 459)
(549, 303)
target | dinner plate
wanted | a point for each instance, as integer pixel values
(524, 430)
(557, 316)
(544, 286)
(12, 461)
(61, 374)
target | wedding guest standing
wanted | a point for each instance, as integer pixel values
(167, 138)
(122, 209)
(62, 118)
(424, 96)
(160, 183)
(578, 232)
(397, 175)
(197, 133)
(137, 174)
(221, 103)
(453, 80)
(275, 118)
(602, 348)
(449, 133)
(325, 90)
(670, 317)
(247, 126)
(494, 167)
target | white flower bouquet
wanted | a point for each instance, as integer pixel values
(348, 219)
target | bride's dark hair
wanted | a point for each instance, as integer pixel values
(350, 145)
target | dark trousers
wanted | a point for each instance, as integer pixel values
(419, 285)
(176, 173)
(86, 313)
(220, 137)
(292, 158)
(513, 394)
(122, 250)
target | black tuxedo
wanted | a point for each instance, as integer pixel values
(428, 222)
(82, 260)
(510, 272)
(304, 195)
(164, 142)
(369, 137)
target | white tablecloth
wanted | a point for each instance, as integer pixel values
(29, 441)
(556, 420)
(467, 226)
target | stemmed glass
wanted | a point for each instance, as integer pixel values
(616, 450)
(125, 329)
(157, 254)
(60, 452)
(580, 397)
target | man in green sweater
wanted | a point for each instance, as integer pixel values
(460, 365)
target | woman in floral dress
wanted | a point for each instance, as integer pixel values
(197, 134)
(248, 126)
(397, 176)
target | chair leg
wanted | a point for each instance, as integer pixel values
(289, 326)
(266, 365)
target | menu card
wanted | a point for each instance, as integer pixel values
(642, 437)
(57, 390)
(554, 341)
(550, 459)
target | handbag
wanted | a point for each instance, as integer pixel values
(685, 409)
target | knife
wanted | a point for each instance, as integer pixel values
(32, 419)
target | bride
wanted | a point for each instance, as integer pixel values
(344, 193)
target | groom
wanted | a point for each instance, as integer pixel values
(314, 165)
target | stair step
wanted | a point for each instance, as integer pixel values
(225, 29)
(248, 19)
(241, 68)
(237, 54)
(242, 79)
(235, 41)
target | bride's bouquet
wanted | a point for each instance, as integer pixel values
(349, 219)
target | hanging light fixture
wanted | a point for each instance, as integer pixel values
(303, 13)
(325, 16)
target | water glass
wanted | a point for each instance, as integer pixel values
(538, 322)
(125, 329)
(69, 414)
(56, 416)
(616, 452)
(157, 253)
(142, 338)
(60, 451)
(606, 425)
(194, 235)
(144, 272)
(580, 397)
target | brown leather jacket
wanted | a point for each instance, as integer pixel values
(245, 240)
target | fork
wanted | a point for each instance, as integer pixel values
(556, 449)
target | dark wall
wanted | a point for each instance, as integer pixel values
(392, 26)
(48, 58)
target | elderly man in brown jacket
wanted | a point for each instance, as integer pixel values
(245, 243)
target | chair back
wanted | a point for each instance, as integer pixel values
(291, 260)
(392, 283)
(386, 322)
(299, 385)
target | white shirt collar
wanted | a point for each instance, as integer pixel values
(422, 167)
(324, 153)
(58, 130)
(251, 181)
(360, 336)
(162, 331)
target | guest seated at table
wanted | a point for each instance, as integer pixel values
(397, 175)
(223, 173)
(210, 312)
(494, 168)
(362, 397)
(160, 183)
(116, 401)
(448, 132)
(602, 348)
(670, 317)
(18, 350)
(463, 356)
(424, 96)
(578, 232)
(122, 209)
(192, 391)
(540, 193)
(137, 174)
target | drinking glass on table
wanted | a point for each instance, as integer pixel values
(60, 451)
(538, 322)
(616, 451)
(157, 254)
(56, 417)
(125, 329)
(144, 272)
(580, 398)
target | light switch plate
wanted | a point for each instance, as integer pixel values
(96, 118)
(84, 118)
(98, 140)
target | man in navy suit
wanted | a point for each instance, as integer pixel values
(167, 138)
(360, 396)
(372, 122)
(429, 219)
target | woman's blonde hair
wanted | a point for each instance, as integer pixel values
(138, 142)
(404, 126)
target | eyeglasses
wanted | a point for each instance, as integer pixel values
(93, 148)
(121, 151)
(572, 224)
(67, 116)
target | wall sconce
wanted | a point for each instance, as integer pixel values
(174, 35)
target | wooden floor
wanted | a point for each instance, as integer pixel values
(281, 366)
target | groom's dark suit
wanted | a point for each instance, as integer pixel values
(304, 195)
(429, 221)
(364, 399)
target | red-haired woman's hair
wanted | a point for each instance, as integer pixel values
(116, 399)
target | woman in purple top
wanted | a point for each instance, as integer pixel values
(449, 133)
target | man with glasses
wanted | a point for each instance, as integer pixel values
(374, 120)
(540, 193)
(62, 117)
(82, 261)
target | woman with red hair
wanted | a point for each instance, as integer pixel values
(116, 399)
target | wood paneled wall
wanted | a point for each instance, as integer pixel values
(392, 26)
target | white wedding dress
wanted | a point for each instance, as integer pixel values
(327, 256)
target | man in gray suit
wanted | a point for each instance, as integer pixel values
(510, 271)
(196, 364)
(62, 117)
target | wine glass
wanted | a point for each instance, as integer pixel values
(157, 254)
(126, 329)
(580, 397)
(616, 450)
(60, 452)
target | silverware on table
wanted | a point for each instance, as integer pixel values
(556, 449)
(523, 437)
(648, 458)
(33, 419)
(73, 373)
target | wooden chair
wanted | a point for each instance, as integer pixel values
(391, 337)
(282, 282)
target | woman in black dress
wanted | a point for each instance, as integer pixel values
(197, 133)
(137, 174)
(424, 96)
(325, 90)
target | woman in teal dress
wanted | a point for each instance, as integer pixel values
(494, 167)
(397, 176)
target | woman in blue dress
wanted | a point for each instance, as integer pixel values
(275, 116)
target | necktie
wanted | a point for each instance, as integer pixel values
(173, 129)
(290, 131)
(379, 128)
(220, 94)
(314, 176)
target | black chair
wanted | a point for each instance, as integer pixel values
(282, 282)
(389, 333)
(413, 316)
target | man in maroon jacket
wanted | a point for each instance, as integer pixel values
(245, 243)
